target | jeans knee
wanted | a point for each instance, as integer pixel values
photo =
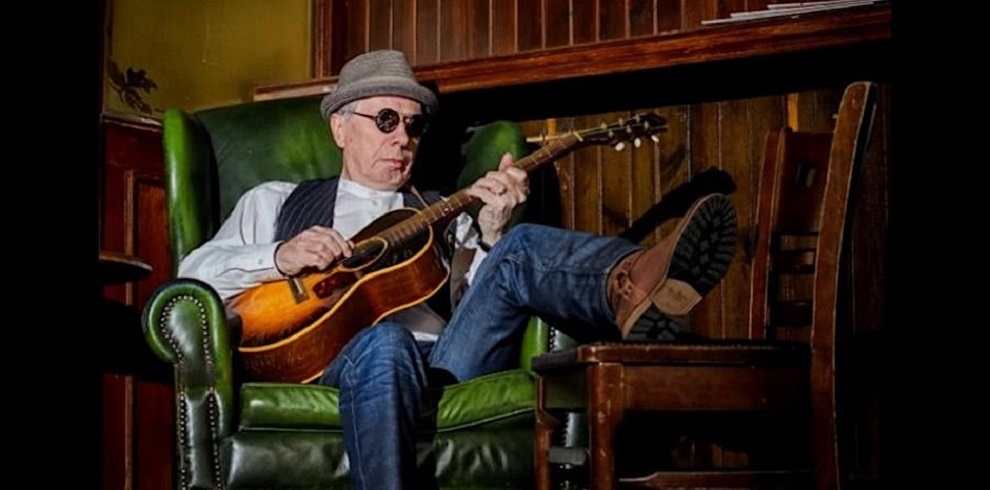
(520, 235)
(384, 350)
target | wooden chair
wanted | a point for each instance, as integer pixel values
(784, 374)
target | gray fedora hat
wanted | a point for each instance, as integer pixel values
(383, 72)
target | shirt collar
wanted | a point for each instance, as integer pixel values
(356, 189)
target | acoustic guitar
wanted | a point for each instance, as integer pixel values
(290, 330)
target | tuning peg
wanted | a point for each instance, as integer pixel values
(610, 131)
(654, 138)
(637, 142)
(620, 146)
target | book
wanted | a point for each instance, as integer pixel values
(790, 10)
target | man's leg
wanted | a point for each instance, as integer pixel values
(532, 269)
(382, 380)
(601, 283)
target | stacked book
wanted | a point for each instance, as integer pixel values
(790, 10)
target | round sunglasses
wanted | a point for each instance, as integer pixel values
(388, 119)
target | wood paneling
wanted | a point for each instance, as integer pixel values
(559, 31)
(587, 180)
(615, 168)
(529, 22)
(668, 16)
(455, 28)
(479, 26)
(641, 16)
(380, 16)
(504, 27)
(612, 21)
(118, 424)
(864, 32)
(146, 205)
(322, 29)
(427, 32)
(431, 31)
(584, 21)
(357, 31)
(337, 28)
(404, 37)
(154, 434)
(138, 403)
(130, 144)
(644, 175)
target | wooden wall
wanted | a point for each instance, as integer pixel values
(138, 399)
(721, 126)
(133, 201)
(432, 31)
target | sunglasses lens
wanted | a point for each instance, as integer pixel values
(415, 126)
(387, 120)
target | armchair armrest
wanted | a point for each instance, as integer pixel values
(185, 324)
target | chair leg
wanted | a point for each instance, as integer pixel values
(605, 412)
(546, 423)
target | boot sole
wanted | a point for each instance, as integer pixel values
(706, 242)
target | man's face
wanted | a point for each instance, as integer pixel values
(370, 157)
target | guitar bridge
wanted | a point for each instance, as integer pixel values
(298, 291)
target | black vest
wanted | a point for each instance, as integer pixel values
(312, 202)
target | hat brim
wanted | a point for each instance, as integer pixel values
(379, 86)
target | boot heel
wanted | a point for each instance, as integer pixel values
(676, 297)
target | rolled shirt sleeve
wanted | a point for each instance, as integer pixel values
(242, 253)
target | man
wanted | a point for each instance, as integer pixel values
(606, 286)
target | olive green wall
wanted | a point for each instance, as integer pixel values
(205, 53)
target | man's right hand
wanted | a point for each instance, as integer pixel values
(317, 247)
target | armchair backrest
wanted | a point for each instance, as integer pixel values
(213, 156)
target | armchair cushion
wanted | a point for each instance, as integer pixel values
(505, 397)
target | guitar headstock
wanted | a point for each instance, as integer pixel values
(619, 133)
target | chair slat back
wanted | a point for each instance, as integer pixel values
(805, 177)
(788, 206)
(851, 137)
(803, 214)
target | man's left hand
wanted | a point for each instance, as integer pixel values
(501, 192)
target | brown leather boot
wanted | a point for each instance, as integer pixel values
(651, 291)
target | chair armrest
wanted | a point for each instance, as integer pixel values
(535, 342)
(185, 325)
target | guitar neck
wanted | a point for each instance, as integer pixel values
(445, 209)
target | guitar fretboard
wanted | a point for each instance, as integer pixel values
(456, 203)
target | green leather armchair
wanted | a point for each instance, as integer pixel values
(235, 434)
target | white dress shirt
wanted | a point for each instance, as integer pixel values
(242, 253)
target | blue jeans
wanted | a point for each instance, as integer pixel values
(384, 375)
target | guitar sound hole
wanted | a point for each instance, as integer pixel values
(365, 254)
